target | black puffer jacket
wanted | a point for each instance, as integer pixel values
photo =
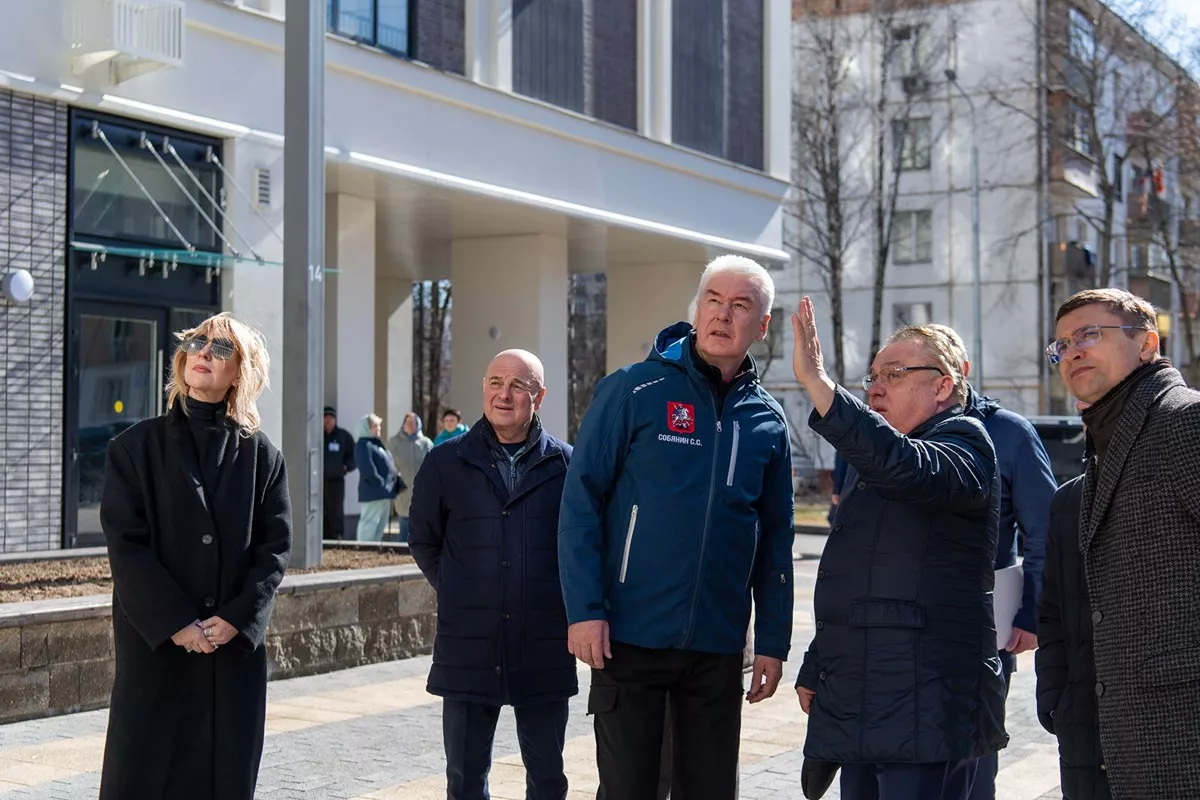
(1066, 672)
(904, 660)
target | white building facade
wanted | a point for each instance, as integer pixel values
(500, 144)
(1040, 161)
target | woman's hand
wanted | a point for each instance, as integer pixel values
(192, 639)
(807, 361)
(217, 630)
(806, 698)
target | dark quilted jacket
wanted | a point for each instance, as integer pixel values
(492, 555)
(1140, 538)
(904, 660)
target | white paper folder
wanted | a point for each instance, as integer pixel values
(1006, 602)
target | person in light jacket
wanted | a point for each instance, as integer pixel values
(378, 481)
(196, 516)
(408, 448)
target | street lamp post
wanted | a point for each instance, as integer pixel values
(975, 247)
(303, 270)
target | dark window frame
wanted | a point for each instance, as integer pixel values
(333, 12)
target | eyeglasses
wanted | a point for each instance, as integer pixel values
(1084, 338)
(222, 349)
(892, 375)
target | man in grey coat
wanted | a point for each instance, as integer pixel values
(1139, 532)
(408, 448)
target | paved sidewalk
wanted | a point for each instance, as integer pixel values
(373, 732)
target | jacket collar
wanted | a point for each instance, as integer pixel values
(476, 447)
(1101, 480)
(673, 346)
(937, 419)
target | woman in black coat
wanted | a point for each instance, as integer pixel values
(196, 515)
(1066, 671)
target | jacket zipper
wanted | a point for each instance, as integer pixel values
(753, 554)
(712, 490)
(737, 430)
(628, 543)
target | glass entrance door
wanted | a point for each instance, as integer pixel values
(118, 374)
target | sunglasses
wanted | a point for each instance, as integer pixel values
(222, 349)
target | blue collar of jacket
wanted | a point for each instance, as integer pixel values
(673, 346)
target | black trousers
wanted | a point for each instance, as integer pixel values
(628, 700)
(949, 780)
(468, 730)
(989, 765)
(335, 508)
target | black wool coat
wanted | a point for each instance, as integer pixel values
(1140, 538)
(904, 659)
(1066, 674)
(189, 725)
(492, 556)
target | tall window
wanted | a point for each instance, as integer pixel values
(913, 237)
(911, 143)
(383, 23)
(1081, 36)
(1079, 127)
(912, 314)
(912, 56)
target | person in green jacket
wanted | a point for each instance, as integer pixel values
(452, 425)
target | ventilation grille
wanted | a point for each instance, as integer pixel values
(262, 188)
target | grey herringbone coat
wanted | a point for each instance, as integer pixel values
(1140, 537)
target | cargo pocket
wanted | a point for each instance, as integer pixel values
(602, 700)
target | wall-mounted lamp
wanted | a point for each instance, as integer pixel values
(17, 286)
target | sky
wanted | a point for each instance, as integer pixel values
(1188, 9)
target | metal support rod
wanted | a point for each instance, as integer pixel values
(976, 254)
(303, 271)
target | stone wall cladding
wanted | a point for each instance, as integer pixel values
(33, 234)
(56, 657)
(439, 34)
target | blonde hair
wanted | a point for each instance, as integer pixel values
(946, 352)
(254, 367)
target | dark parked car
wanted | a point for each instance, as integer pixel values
(1063, 438)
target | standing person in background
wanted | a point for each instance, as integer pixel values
(378, 482)
(452, 425)
(1027, 486)
(408, 448)
(1066, 668)
(339, 462)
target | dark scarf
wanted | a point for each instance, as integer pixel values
(1103, 417)
(211, 432)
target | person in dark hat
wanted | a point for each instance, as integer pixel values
(339, 461)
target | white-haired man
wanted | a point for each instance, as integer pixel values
(677, 510)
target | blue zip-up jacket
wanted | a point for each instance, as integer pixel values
(1027, 486)
(674, 515)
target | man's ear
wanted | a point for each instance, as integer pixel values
(762, 329)
(1150, 346)
(538, 398)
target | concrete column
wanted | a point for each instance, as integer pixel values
(654, 68)
(509, 291)
(777, 88)
(642, 300)
(350, 248)
(501, 25)
(393, 351)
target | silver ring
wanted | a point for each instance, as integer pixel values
(208, 632)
